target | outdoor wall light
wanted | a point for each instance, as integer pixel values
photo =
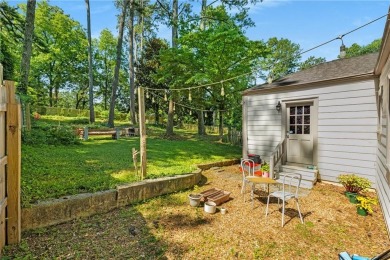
(278, 106)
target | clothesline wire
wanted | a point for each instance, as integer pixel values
(249, 73)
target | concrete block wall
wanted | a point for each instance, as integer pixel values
(56, 211)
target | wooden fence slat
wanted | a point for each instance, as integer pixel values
(3, 204)
(13, 166)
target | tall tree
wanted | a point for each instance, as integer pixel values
(131, 62)
(90, 69)
(27, 46)
(63, 62)
(216, 54)
(124, 5)
(105, 62)
(282, 59)
(357, 50)
(311, 62)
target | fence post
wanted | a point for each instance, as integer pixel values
(85, 133)
(13, 165)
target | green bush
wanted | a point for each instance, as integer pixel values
(354, 183)
(50, 135)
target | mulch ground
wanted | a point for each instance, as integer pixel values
(167, 227)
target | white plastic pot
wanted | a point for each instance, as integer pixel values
(194, 199)
(210, 207)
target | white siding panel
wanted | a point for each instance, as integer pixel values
(353, 142)
(255, 126)
(268, 112)
(347, 115)
(347, 162)
(350, 122)
(358, 136)
(349, 108)
(347, 148)
(264, 132)
(352, 155)
(339, 169)
(343, 128)
(263, 138)
(348, 101)
(348, 94)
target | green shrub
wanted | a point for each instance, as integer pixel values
(354, 183)
(50, 135)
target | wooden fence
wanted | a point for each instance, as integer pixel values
(10, 164)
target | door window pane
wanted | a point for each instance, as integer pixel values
(306, 129)
(299, 110)
(299, 129)
(307, 120)
(292, 120)
(292, 110)
(306, 110)
(292, 129)
(299, 119)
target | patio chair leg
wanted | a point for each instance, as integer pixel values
(299, 211)
(283, 213)
(266, 209)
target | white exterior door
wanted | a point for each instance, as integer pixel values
(300, 133)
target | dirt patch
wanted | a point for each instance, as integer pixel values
(168, 228)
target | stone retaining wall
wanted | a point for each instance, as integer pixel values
(64, 209)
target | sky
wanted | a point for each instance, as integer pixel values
(308, 23)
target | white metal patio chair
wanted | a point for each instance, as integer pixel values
(247, 169)
(290, 189)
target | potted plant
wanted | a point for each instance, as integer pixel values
(265, 169)
(364, 205)
(353, 184)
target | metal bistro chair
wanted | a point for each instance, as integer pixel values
(291, 183)
(248, 168)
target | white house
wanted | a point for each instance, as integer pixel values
(334, 116)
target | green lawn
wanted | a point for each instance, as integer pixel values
(101, 163)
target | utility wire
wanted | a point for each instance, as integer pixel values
(238, 76)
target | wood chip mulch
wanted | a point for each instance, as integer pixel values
(167, 227)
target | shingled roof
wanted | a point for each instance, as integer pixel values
(333, 70)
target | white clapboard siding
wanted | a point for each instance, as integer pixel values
(346, 129)
(349, 155)
(347, 125)
(347, 148)
(347, 115)
(349, 108)
(348, 122)
(352, 142)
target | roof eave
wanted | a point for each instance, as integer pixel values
(385, 48)
(271, 88)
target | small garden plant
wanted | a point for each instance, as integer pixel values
(366, 203)
(354, 183)
(265, 167)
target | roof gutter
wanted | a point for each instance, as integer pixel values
(385, 48)
(273, 88)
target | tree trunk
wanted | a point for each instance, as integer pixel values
(202, 13)
(156, 114)
(27, 46)
(131, 64)
(220, 126)
(169, 131)
(117, 64)
(90, 75)
(175, 5)
(201, 130)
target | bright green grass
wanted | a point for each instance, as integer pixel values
(100, 164)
